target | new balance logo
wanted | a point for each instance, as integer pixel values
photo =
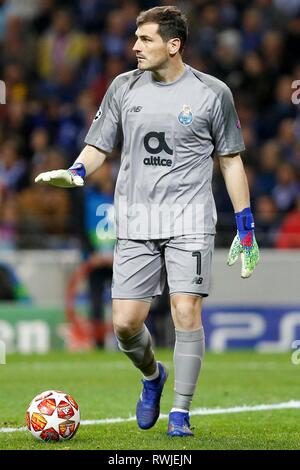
(197, 280)
(99, 114)
(135, 109)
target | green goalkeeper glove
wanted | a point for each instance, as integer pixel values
(244, 244)
(71, 178)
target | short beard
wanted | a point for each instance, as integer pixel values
(150, 68)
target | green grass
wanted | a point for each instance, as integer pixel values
(106, 386)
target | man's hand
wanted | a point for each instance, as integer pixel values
(71, 178)
(249, 256)
(244, 244)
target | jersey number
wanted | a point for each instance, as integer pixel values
(197, 254)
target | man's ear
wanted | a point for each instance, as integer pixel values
(174, 46)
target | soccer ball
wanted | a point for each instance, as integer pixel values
(53, 416)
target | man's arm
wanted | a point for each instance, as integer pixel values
(235, 178)
(89, 160)
(244, 243)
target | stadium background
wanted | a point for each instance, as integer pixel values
(57, 60)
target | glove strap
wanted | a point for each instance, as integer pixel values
(245, 226)
(78, 169)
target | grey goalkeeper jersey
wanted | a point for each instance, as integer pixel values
(169, 132)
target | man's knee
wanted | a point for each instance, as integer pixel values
(126, 328)
(129, 317)
(186, 312)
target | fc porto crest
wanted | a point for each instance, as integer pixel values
(186, 115)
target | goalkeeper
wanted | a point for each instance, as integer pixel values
(170, 120)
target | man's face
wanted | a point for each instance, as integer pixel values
(151, 51)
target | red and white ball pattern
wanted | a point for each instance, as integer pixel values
(53, 416)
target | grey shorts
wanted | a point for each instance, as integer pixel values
(141, 267)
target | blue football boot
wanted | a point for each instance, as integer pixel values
(148, 406)
(179, 424)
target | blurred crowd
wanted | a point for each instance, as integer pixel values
(57, 58)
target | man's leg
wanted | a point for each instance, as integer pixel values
(189, 348)
(136, 278)
(139, 275)
(132, 334)
(188, 262)
(134, 340)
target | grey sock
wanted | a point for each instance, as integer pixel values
(138, 349)
(188, 355)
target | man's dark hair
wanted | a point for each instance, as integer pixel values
(172, 23)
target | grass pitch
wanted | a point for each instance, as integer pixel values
(106, 386)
